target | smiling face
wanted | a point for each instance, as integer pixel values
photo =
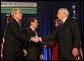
(34, 23)
(62, 13)
(16, 13)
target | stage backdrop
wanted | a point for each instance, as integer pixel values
(46, 12)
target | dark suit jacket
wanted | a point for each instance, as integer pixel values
(68, 36)
(34, 49)
(13, 41)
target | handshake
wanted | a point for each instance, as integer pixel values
(36, 39)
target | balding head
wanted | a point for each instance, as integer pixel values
(62, 13)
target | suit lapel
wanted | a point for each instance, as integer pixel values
(32, 32)
(63, 26)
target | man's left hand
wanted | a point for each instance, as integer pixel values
(75, 52)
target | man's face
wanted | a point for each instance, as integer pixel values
(61, 15)
(18, 15)
(35, 23)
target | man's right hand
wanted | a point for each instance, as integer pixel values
(35, 39)
(75, 52)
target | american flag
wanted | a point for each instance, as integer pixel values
(80, 56)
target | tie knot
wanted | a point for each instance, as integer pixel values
(34, 30)
(20, 22)
(62, 22)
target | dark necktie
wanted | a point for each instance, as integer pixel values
(19, 23)
(62, 24)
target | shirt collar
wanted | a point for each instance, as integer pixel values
(64, 19)
(32, 28)
(18, 22)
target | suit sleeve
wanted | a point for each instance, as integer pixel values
(28, 32)
(75, 33)
(51, 37)
(40, 45)
(15, 30)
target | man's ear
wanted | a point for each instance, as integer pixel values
(57, 15)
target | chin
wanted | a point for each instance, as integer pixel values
(36, 27)
(20, 18)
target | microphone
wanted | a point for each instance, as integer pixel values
(3, 40)
(8, 16)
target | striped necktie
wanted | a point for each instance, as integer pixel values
(35, 32)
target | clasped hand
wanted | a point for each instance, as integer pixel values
(36, 39)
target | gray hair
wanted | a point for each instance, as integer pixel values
(65, 10)
(13, 11)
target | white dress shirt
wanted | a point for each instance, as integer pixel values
(64, 20)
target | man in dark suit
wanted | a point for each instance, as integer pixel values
(67, 36)
(14, 38)
(34, 50)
